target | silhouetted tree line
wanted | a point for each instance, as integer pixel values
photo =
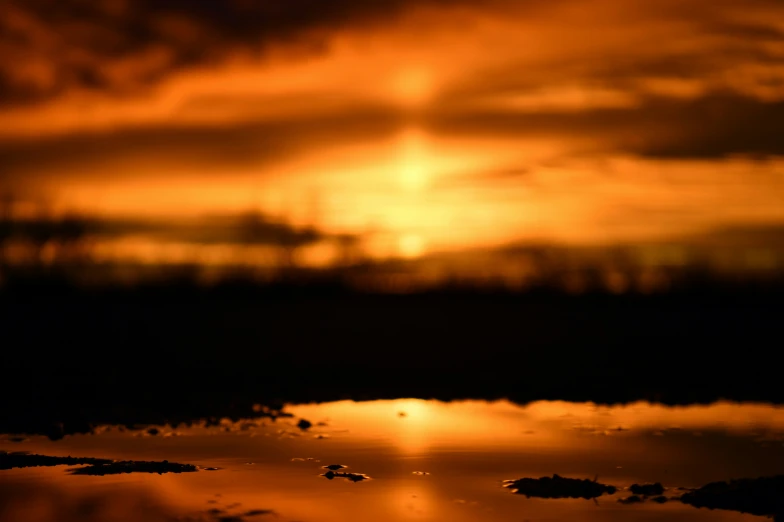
(43, 238)
(39, 243)
(256, 229)
(32, 243)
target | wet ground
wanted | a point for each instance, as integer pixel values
(404, 460)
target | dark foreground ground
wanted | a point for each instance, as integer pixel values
(184, 353)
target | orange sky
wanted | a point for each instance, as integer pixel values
(447, 123)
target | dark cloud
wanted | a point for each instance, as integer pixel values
(716, 125)
(155, 149)
(748, 236)
(48, 47)
(120, 45)
(713, 126)
(740, 30)
(725, 48)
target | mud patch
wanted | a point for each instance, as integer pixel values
(559, 487)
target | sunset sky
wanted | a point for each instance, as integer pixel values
(447, 123)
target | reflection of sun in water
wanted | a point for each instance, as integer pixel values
(411, 246)
(413, 437)
(415, 501)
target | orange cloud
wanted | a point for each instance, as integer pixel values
(225, 100)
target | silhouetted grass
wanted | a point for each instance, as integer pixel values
(179, 351)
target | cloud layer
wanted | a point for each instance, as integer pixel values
(98, 92)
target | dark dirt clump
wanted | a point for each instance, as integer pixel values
(559, 487)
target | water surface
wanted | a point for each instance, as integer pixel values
(427, 460)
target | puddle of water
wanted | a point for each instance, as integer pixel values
(426, 460)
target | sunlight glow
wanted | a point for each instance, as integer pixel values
(413, 175)
(411, 246)
(413, 87)
(429, 425)
(414, 162)
(413, 430)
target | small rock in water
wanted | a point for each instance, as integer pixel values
(420, 473)
(304, 424)
(647, 490)
(334, 467)
(25, 459)
(134, 466)
(761, 496)
(353, 477)
(559, 487)
(258, 512)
